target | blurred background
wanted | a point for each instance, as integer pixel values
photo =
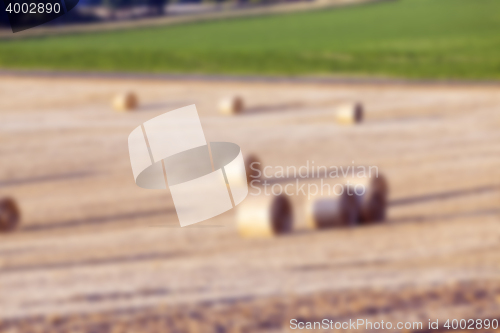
(409, 86)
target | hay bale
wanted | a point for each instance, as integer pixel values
(231, 105)
(264, 216)
(253, 168)
(331, 211)
(9, 214)
(349, 114)
(125, 102)
(372, 204)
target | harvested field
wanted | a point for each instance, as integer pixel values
(96, 253)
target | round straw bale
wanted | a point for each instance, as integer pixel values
(125, 102)
(264, 216)
(332, 211)
(231, 105)
(351, 113)
(9, 214)
(253, 168)
(371, 197)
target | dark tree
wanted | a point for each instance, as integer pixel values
(157, 6)
(117, 3)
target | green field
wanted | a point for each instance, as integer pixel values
(452, 39)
